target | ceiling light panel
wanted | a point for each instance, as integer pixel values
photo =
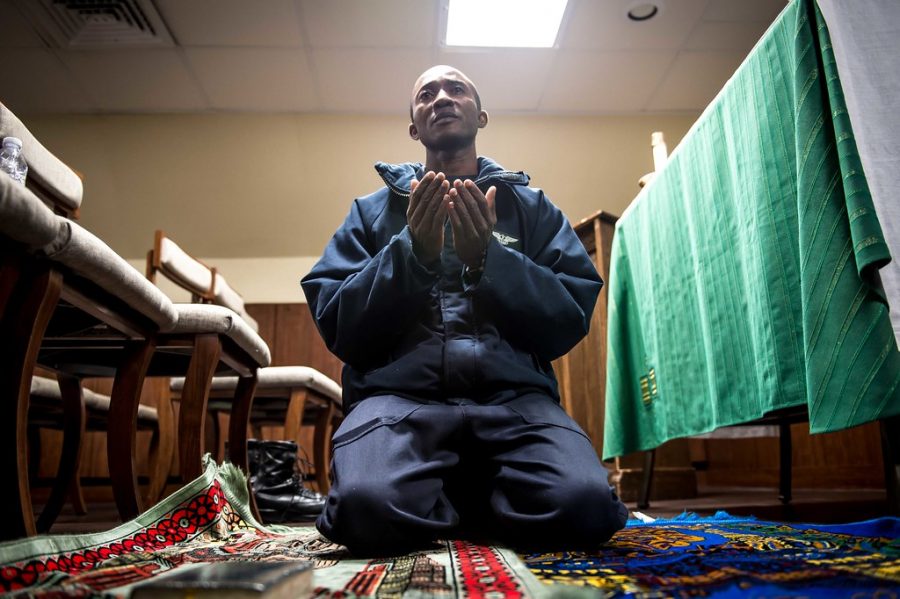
(504, 23)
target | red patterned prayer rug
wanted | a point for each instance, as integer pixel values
(208, 520)
(726, 556)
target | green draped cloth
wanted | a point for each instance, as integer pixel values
(744, 278)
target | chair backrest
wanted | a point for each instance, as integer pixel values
(49, 178)
(189, 273)
(203, 282)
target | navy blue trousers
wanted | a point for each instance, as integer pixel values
(521, 473)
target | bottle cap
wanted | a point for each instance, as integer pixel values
(14, 141)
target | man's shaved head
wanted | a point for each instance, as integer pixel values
(437, 71)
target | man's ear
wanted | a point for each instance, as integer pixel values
(482, 119)
(413, 132)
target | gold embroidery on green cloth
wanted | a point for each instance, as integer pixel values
(649, 390)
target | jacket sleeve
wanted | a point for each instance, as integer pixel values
(543, 297)
(361, 299)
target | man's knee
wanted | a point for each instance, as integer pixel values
(359, 517)
(593, 512)
(582, 513)
(376, 518)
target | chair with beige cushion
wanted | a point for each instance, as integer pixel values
(71, 305)
(289, 396)
(57, 185)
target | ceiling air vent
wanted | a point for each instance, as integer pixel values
(96, 23)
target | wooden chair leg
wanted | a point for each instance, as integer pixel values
(293, 419)
(194, 399)
(35, 447)
(238, 423)
(322, 447)
(26, 313)
(239, 420)
(76, 494)
(67, 474)
(212, 436)
(163, 451)
(76, 497)
(121, 435)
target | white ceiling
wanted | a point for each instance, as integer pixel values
(361, 56)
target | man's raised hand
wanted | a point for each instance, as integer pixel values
(426, 214)
(472, 216)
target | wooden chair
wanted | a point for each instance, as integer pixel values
(72, 305)
(290, 396)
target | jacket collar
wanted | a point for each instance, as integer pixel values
(398, 177)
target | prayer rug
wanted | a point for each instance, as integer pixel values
(209, 520)
(725, 556)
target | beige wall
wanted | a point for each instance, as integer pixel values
(245, 188)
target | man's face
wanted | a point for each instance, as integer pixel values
(445, 111)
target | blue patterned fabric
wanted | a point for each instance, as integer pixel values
(726, 556)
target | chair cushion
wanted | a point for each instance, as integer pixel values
(88, 256)
(44, 388)
(51, 173)
(278, 377)
(23, 217)
(207, 318)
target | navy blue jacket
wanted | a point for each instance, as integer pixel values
(402, 329)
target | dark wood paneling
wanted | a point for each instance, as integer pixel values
(297, 341)
(265, 317)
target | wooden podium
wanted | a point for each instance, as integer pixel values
(582, 385)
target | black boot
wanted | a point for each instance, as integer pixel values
(277, 485)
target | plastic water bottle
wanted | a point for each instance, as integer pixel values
(12, 162)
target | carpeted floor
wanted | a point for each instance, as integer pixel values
(208, 520)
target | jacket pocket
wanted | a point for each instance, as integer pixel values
(371, 413)
(542, 410)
